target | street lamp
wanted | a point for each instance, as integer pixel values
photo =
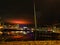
(35, 19)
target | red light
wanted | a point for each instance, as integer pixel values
(19, 22)
(16, 37)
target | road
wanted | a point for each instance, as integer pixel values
(54, 42)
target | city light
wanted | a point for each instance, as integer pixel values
(1, 32)
(1, 27)
(19, 21)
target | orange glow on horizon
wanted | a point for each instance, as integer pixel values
(19, 21)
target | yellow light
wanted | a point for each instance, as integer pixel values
(1, 32)
(24, 33)
(1, 27)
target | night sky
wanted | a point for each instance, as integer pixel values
(48, 11)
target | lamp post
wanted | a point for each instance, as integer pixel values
(35, 19)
